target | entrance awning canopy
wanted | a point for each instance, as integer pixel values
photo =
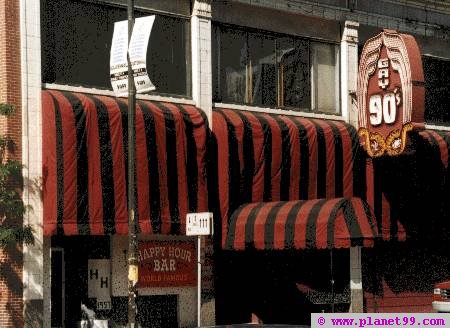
(440, 142)
(85, 164)
(319, 223)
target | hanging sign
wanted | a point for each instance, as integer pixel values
(390, 92)
(167, 264)
(99, 283)
(138, 53)
(118, 59)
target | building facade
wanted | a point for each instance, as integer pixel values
(239, 84)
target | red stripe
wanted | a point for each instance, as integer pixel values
(442, 147)
(258, 156)
(401, 232)
(331, 158)
(118, 161)
(221, 134)
(239, 232)
(295, 158)
(70, 164)
(49, 173)
(200, 136)
(280, 225)
(322, 222)
(276, 157)
(300, 224)
(313, 156)
(143, 180)
(347, 148)
(94, 168)
(260, 225)
(160, 127)
(181, 164)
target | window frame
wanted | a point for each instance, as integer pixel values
(216, 30)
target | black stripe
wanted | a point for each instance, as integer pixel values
(172, 168)
(152, 168)
(311, 223)
(250, 225)
(356, 236)
(191, 160)
(82, 164)
(370, 217)
(377, 193)
(233, 166)
(338, 161)
(124, 115)
(269, 231)
(107, 176)
(359, 157)
(321, 162)
(289, 232)
(304, 159)
(285, 159)
(246, 184)
(331, 222)
(267, 131)
(59, 168)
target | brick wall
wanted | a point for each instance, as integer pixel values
(11, 304)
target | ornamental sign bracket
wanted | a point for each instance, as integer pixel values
(390, 92)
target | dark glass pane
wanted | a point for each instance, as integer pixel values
(167, 55)
(233, 60)
(263, 70)
(76, 39)
(437, 90)
(293, 61)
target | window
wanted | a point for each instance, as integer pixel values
(76, 43)
(437, 90)
(273, 70)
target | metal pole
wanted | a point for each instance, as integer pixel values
(199, 280)
(132, 238)
(332, 280)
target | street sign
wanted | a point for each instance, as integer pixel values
(199, 224)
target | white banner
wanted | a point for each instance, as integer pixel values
(118, 60)
(138, 53)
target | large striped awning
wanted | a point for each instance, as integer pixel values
(440, 142)
(266, 157)
(319, 223)
(85, 164)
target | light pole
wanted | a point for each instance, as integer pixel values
(132, 237)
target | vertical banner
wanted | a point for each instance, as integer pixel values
(138, 53)
(118, 59)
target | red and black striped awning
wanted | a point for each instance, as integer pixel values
(266, 157)
(85, 164)
(440, 142)
(318, 223)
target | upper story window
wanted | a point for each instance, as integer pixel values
(437, 90)
(76, 42)
(274, 70)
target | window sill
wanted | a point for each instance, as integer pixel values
(279, 111)
(437, 127)
(102, 92)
